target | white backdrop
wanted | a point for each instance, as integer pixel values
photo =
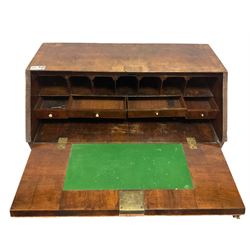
(24, 25)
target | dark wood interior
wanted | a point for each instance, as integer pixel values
(135, 130)
(150, 85)
(80, 85)
(200, 87)
(173, 86)
(149, 103)
(88, 103)
(127, 85)
(52, 86)
(104, 85)
(115, 96)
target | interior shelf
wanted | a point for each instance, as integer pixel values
(150, 86)
(127, 85)
(173, 86)
(80, 85)
(201, 108)
(199, 87)
(104, 85)
(156, 107)
(53, 86)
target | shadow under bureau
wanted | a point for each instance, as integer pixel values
(126, 129)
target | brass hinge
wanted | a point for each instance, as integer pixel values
(191, 142)
(131, 202)
(61, 143)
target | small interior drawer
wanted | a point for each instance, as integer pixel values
(201, 108)
(156, 107)
(52, 108)
(98, 107)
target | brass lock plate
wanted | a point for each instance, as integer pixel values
(131, 202)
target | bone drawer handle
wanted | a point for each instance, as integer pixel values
(97, 115)
(50, 115)
(156, 113)
(202, 115)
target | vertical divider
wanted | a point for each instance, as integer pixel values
(187, 78)
(115, 80)
(70, 100)
(161, 87)
(91, 77)
(139, 83)
(126, 106)
(68, 83)
(69, 106)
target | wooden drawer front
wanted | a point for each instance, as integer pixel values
(202, 114)
(51, 114)
(155, 113)
(149, 107)
(52, 108)
(98, 114)
(98, 107)
(201, 108)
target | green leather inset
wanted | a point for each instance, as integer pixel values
(127, 167)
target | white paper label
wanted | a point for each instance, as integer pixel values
(38, 67)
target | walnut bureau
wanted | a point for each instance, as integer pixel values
(126, 93)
